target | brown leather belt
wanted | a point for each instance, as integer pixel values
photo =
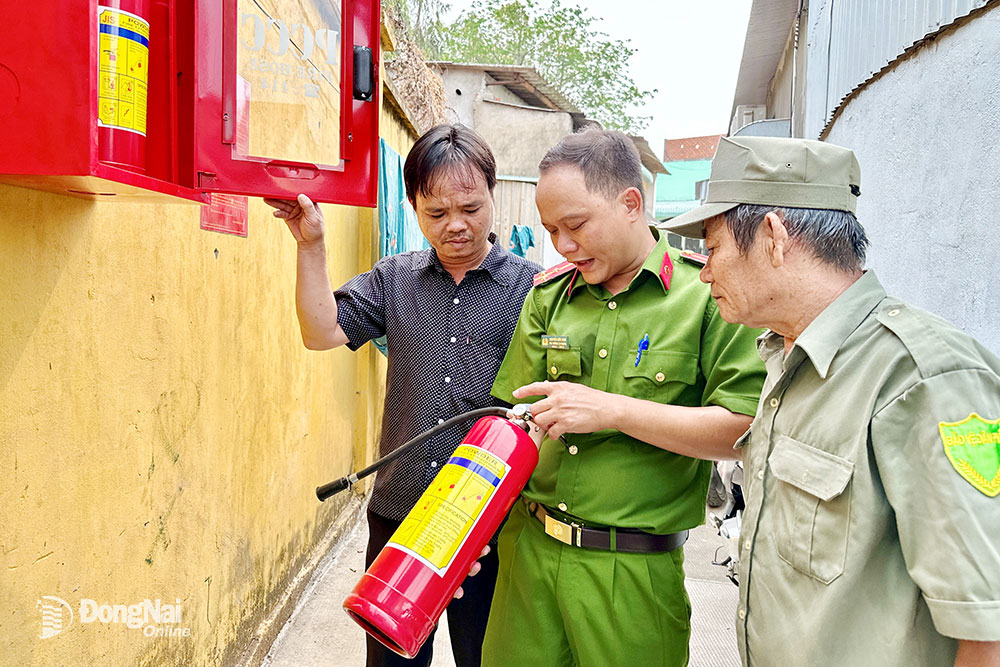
(606, 539)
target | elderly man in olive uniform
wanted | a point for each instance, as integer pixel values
(872, 529)
(632, 357)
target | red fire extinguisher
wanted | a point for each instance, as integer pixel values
(122, 75)
(401, 596)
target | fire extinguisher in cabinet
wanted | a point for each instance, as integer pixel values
(122, 76)
(401, 596)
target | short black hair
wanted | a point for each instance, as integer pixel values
(443, 148)
(609, 160)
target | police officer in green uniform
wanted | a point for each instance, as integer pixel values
(627, 353)
(872, 529)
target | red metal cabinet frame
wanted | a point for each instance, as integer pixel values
(48, 108)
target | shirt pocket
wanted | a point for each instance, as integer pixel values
(811, 504)
(656, 369)
(562, 363)
(481, 362)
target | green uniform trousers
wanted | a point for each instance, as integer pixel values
(557, 605)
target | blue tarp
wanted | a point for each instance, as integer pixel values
(396, 218)
(521, 238)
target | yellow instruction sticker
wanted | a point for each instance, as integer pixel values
(122, 66)
(442, 519)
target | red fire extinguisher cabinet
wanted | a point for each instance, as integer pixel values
(224, 77)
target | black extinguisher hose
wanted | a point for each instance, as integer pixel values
(338, 485)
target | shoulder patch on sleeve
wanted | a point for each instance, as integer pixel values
(695, 258)
(973, 447)
(552, 273)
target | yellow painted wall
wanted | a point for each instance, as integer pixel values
(162, 428)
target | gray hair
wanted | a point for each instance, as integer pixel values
(608, 160)
(834, 237)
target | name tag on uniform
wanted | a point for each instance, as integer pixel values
(555, 342)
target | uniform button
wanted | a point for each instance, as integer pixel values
(743, 614)
(760, 474)
(453, 339)
(746, 543)
(573, 449)
(660, 377)
(434, 464)
(612, 305)
(562, 507)
(440, 421)
(455, 301)
(774, 402)
(447, 380)
(603, 353)
(553, 370)
(894, 312)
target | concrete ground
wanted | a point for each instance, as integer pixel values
(320, 634)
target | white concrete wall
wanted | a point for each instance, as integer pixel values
(520, 136)
(926, 135)
(462, 90)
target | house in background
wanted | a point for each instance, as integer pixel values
(652, 169)
(521, 116)
(911, 87)
(688, 162)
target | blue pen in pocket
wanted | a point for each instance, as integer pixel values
(643, 346)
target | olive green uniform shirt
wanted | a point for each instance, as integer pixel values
(863, 543)
(695, 358)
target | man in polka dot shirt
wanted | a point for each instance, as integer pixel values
(447, 313)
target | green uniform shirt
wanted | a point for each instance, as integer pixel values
(864, 543)
(695, 358)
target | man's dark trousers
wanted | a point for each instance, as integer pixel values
(466, 617)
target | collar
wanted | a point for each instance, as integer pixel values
(826, 334)
(496, 263)
(658, 263)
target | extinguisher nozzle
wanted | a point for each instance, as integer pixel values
(333, 488)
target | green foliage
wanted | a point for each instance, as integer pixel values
(423, 19)
(562, 43)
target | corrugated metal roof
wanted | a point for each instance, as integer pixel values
(866, 37)
(648, 157)
(665, 210)
(850, 42)
(767, 33)
(525, 82)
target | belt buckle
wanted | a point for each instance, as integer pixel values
(561, 531)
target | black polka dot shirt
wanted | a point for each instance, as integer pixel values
(445, 343)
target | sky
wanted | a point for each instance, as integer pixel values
(689, 50)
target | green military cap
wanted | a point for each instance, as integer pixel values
(772, 171)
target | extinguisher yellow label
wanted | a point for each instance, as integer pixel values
(122, 64)
(442, 519)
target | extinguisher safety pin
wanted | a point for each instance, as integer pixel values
(522, 413)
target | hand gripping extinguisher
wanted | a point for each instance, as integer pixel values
(122, 75)
(401, 596)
